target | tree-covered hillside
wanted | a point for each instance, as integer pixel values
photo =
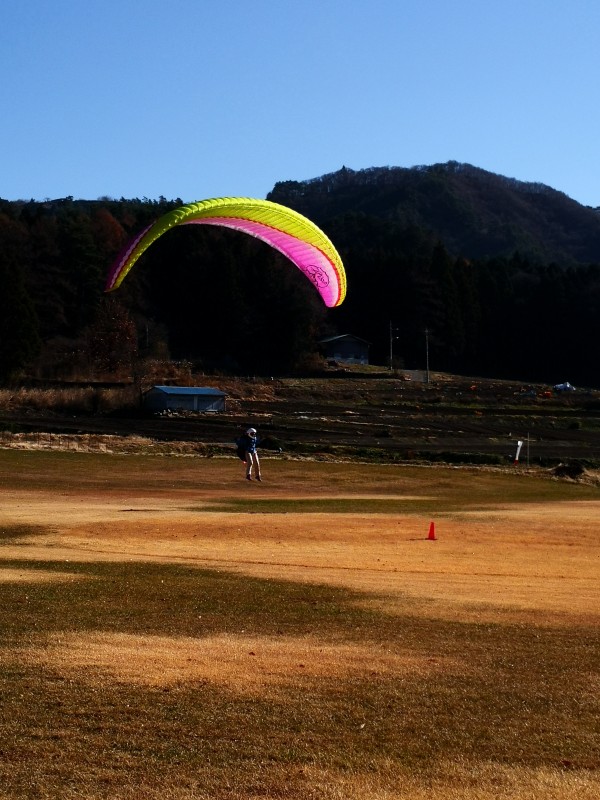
(476, 214)
(504, 276)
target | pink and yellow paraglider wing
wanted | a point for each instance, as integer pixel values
(317, 267)
(302, 242)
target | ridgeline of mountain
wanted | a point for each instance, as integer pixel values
(475, 213)
(503, 275)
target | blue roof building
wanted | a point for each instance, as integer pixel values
(184, 398)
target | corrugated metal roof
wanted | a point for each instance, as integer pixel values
(343, 336)
(190, 390)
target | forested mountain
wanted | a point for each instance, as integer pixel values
(476, 214)
(504, 275)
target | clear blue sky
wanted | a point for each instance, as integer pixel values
(205, 98)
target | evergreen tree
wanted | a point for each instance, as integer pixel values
(112, 338)
(470, 311)
(450, 331)
(19, 337)
(82, 268)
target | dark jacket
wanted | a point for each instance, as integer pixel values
(246, 444)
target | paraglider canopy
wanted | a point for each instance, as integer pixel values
(287, 231)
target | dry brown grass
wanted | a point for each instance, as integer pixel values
(171, 631)
(247, 665)
(68, 399)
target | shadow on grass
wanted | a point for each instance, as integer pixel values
(323, 505)
(522, 698)
(13, 534)
(171, 600)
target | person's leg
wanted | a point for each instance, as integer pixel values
(249, 466)
(256, 466)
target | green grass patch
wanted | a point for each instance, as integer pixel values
(320, 486)
(49, 470)
(321, 505)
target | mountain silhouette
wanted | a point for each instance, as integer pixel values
(475, 213)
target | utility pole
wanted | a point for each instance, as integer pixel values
(393, 332)
(427, 355)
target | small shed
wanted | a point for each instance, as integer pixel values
(346, 348)
(184, 398)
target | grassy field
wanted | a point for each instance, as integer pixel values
(169, 630)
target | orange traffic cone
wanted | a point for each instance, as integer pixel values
(431, 536)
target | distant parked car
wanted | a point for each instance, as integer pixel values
(564, 387)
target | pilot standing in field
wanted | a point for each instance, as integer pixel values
(248, 444)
